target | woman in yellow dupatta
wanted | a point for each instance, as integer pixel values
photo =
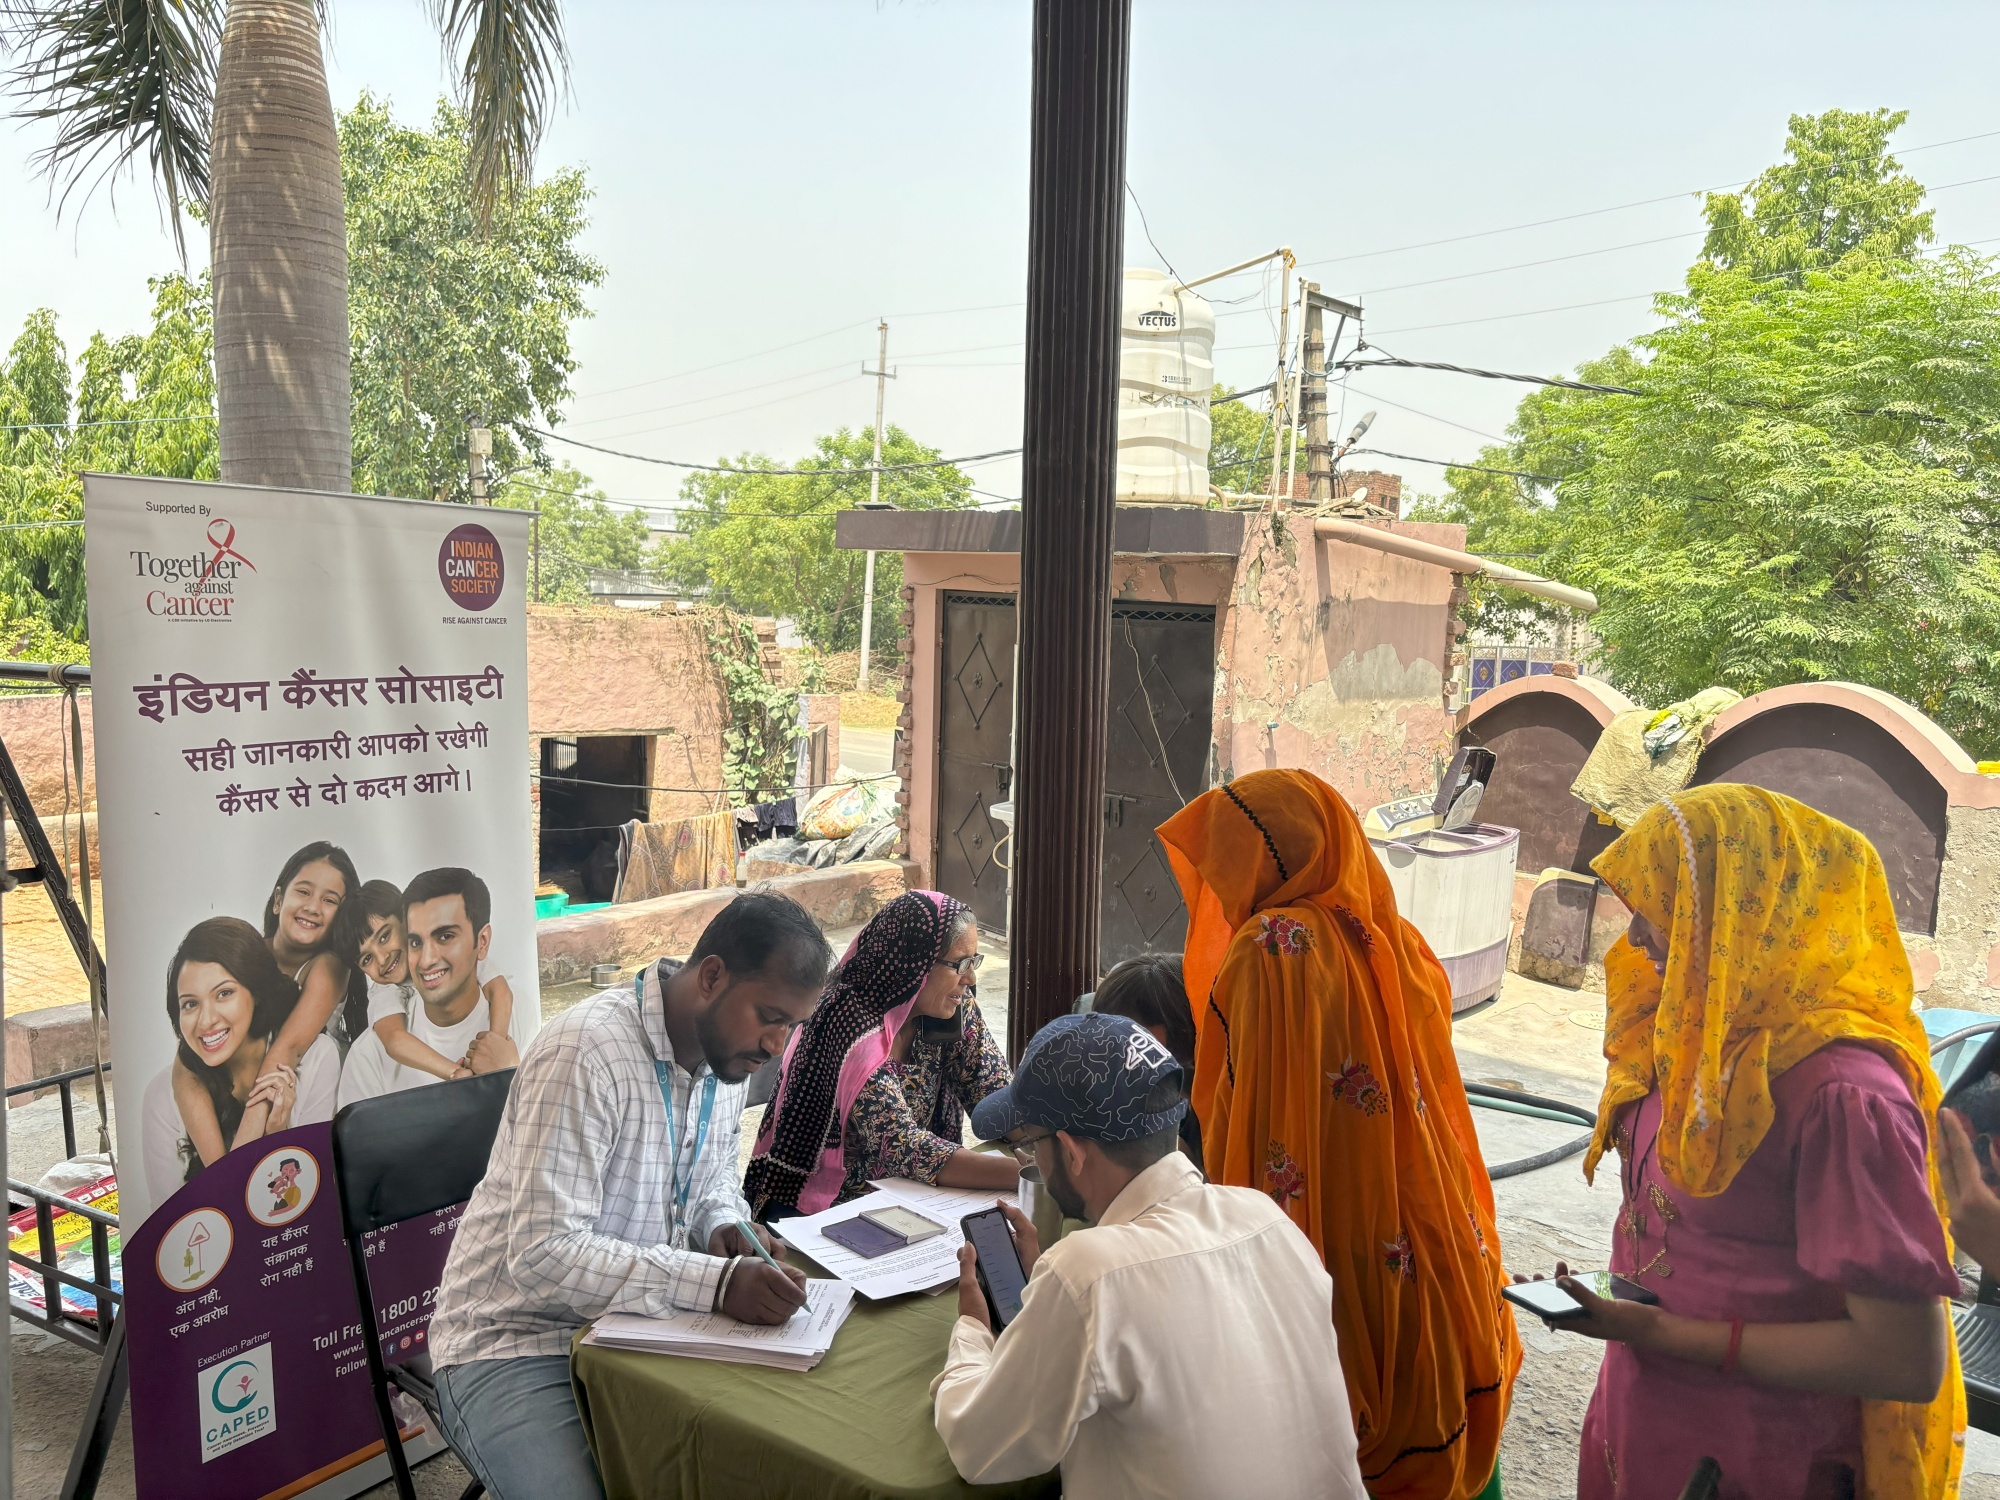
(1771, 1098)
(1324, 1076)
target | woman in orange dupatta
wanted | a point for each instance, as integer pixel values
(1324, 1076)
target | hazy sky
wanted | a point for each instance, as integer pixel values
(772, 177)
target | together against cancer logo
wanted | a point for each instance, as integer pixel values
(199, 585)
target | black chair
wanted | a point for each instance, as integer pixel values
(398, 1157)
(1978, 1328)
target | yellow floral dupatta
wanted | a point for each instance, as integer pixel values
(1782, 938)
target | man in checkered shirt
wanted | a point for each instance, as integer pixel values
(612, 1188)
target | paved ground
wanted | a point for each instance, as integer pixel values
(1536, 1036)
(40, 968)
(867, 750)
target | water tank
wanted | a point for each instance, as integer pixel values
(1166, 369)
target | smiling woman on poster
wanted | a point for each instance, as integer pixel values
(227, 1001)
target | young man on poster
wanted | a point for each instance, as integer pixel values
(447, 915)
(612, 1187)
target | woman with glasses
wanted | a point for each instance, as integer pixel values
(879, 1081)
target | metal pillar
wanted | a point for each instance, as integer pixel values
(1076, 232)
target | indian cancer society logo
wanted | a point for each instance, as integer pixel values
(198, 585)
(471, 568)
(236, 1401)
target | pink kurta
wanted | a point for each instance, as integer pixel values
(1835, 1200)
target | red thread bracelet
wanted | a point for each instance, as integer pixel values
(1735, 1347)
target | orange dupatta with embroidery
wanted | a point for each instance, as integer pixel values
(1324, 1076)
(1781, 938)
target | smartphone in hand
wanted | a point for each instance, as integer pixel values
(997, 1263)
(1547, 1300)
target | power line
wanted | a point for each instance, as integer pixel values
(1390, 361)
(1446, 463)
(675, 463)
(762, 385)
(37, 525)
(1530, 313)
(104, 422)
(1590, 213)
(1147, 230)
(811, 390)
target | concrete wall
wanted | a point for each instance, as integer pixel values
(36, 729)
(639, 931)
(1345, 647)
(1347, 650)
(598, 671)
(1856, 753)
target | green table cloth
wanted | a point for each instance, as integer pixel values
(857, 1428)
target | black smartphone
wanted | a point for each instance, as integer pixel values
(1547, 1300)
(997, 1262)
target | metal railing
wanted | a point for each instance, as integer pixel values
(86, 1329)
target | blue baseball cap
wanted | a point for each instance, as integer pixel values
(1089, 1075)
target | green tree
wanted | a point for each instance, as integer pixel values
(1240, 447)
(448, 322)
(1804, 489)
(1838, 193)
(141, 404)
(577, 531)
(764, 543)
(227, 100)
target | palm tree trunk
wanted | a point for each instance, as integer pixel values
(278, 243)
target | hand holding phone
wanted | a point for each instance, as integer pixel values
(996, 1264)
(1598, 1305)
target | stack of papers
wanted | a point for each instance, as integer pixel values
(798, 1344)
(922, 1267)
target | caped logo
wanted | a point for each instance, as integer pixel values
(203, 583)
(1157, 319)
(237, 1405)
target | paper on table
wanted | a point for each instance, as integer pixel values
(797, 1343)
(916, 1268)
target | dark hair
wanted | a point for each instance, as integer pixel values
(758, 929)
(319, 849)
(343, 934)
(451, 880)
(1148, 991)
(288, 1161)
(238, 947)
(380, 898)
(1137, 1155)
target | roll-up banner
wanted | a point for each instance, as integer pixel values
(312, 753)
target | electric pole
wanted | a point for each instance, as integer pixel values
(882, 378)
(1320, 457)
(1319, 452)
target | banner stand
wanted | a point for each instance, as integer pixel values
(312, 756)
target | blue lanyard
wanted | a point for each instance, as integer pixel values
(675, 1123)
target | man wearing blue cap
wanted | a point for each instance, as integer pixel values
(1181, 1346)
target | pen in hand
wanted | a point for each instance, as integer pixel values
(743, 1228)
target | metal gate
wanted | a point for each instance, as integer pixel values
(975, 721)
(1155, 762)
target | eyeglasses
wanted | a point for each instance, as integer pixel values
(964, 967)
(1025, 1149)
